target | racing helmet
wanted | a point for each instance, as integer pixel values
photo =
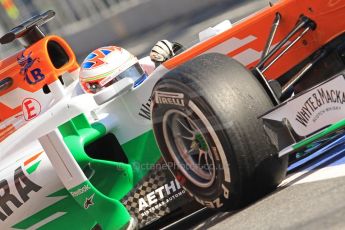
(107, 65)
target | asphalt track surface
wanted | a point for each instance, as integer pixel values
(311, 197)
(313, 194)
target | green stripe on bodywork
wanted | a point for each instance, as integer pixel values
(323, 133)
(75, 217)
(33, 167)
(142, 153)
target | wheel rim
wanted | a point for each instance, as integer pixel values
(188, 143)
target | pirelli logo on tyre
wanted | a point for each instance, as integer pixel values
(169, 98)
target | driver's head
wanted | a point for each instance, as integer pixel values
(107, 65)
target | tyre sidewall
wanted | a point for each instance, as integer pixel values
(216, 195)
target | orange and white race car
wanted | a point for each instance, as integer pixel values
(228, 115)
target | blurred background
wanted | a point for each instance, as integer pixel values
(134, 24)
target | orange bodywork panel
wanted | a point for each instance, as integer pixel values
(29, 71)
(327, 14)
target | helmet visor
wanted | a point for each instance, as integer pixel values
(134, 72)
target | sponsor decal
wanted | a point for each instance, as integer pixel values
(31, 108)
(160, 197)
(80, 191)
(9, 199)
(30, 76)
(333, 98)
(145, 110)
(314, 109)
(89, 201)
(169, 98)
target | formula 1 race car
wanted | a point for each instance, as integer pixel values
(227, 127)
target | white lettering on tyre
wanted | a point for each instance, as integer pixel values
(169, 98)
(215, 203)
(209, 204)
